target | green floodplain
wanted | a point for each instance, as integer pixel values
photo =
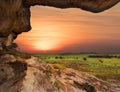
(103, 66)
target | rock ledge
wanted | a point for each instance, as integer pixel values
(21, 74)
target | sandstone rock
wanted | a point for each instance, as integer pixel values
(7, 58)
(35, 75)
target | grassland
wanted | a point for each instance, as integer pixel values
(106, 67)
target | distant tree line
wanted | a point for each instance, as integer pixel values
(104, 56)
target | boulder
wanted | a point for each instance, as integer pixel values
(19, 74)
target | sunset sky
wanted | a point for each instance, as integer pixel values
(72, 31)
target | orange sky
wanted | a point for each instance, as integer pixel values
(72, 30)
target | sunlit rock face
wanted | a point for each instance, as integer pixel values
(24, 73)
(15, 14)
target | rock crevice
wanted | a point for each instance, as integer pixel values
(20, 74)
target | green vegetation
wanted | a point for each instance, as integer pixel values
(57, 84)
(106, 67)
(16, 53)
(59, 66)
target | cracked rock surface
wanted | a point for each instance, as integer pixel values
(30, 74)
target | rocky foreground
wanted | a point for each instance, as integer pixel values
(30, 74)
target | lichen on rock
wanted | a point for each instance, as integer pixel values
(34, 75)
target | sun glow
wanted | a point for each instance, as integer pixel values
(45, 44)
(56, 30)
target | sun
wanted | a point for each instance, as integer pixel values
(45, 45)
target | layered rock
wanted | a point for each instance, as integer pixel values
(15, 14)
(30, 74)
